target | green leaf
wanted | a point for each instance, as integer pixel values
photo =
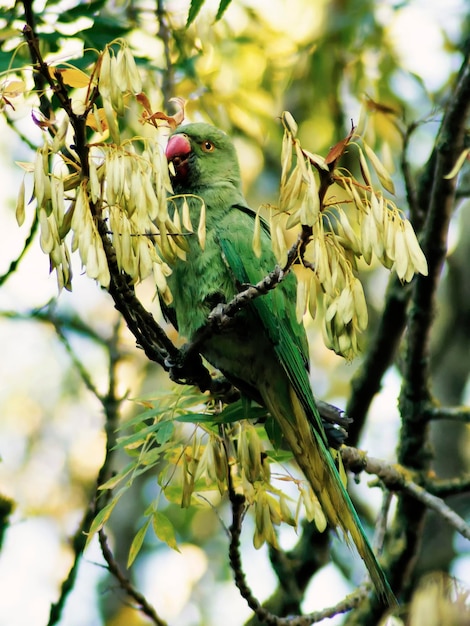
(279, 456)
(165, 432)
(164, 529)
(194, 9)
(115, 480)
(274, 432)
(222, 8)
(103, 516)
(196, 418)
(137, 543)
(240, 410)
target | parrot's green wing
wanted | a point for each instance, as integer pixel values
(276, 313)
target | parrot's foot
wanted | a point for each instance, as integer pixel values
(187, 368)
(335, 423)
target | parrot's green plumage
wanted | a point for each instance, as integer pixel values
(265, 354)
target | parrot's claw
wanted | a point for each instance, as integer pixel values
(335, 422)
(187, 367)
(218, 316)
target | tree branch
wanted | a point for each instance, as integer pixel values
(110, 403)
(113, 566)
(397, 478)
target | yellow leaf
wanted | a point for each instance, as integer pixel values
(458, 165)
(96, 120)
(137, 543)
(15, 88)
(26, 166)
(164, 529)
(103, 516)
(73, 77)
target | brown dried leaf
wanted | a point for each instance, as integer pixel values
(150, 118)
(337, 151)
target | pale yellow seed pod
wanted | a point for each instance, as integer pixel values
(220, 461)
(151, 201)
(39, 179)
(346, 305)
(364, 168)
(105, 78)
(164, 243)
(286, 157)
(293, 219)
(383, 175)
(97, 120)
(145, 263)
(378, 206)
(313, 509)
(389, 245)
(281, 247)
(317, 159)
(401, 252)
(46, 239)
(416, 254)
(291, 192)
(89, 255)
(104, 277)
(186, 216)
(20, 211)
(119, 70)
(311, 204)
(286, 512)
(255, 451)
(256, 245)
(201, 229)
(111, 120)
(301, 161)
(116, 95)
(302, 297)
(290, 123)
(366, 236)
(274, 510)
(313, 295)
(59, 138)
(160, 281)
(360, 305)
(134, 82)
(95, 186)
(79, 210)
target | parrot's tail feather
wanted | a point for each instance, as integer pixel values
(317, 464)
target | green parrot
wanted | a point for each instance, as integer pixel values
(264, 353)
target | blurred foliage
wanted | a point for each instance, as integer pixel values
(238, 65)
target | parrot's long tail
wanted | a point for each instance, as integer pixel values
(316, 462)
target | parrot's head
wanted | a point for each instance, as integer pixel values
(202, 156)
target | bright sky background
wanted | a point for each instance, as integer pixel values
(30, 571)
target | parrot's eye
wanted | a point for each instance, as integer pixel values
(207, 146)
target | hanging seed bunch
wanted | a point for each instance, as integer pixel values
(361, 222)
(98, 194)
(243, 454)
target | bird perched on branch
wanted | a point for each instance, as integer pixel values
(264, 351)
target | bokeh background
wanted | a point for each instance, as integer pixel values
(318, 59)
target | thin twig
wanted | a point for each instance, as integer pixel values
(439, 506)
(397, 478)
(110, 403)
(113, 566)
(456, 414)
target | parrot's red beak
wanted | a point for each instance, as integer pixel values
(177, 152)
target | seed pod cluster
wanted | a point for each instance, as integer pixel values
(123, 184)
(354, 221)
